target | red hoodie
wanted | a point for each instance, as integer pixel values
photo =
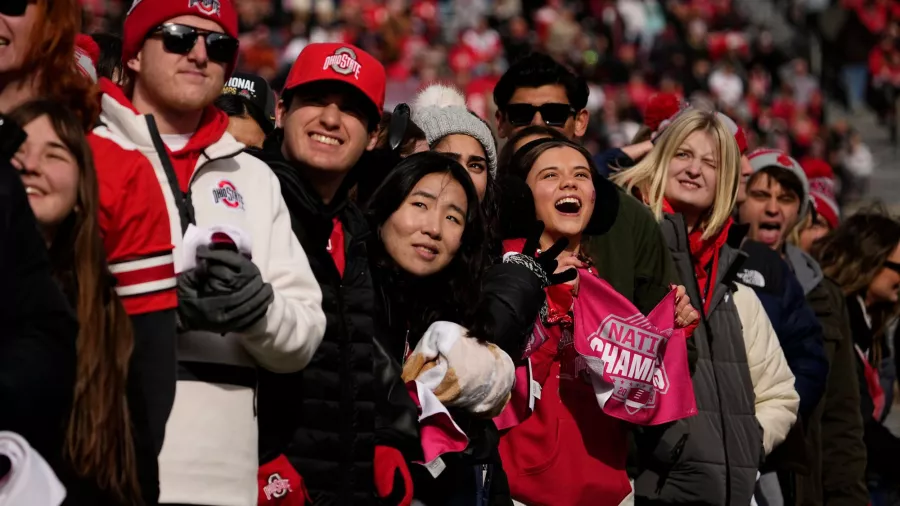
(568, 452)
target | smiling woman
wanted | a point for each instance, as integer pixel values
(37, 56)
(57, 170)
(694, 169)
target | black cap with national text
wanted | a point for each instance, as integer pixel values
(258, 95)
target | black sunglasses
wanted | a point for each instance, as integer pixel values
(894, 266)
(554, 115)
(13, 7)
(180, 39)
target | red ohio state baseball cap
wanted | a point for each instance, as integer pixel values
(343, 63)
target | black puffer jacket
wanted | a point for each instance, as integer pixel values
(328, 418)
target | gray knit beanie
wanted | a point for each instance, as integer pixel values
(441, 111)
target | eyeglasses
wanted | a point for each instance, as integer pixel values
(14, 8)
(894, 266)
(554, 115)
(180, 39)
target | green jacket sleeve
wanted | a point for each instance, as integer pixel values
(633, 256)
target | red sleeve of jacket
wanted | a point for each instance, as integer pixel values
(135, 224)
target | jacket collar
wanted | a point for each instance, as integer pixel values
(807, 270)
(120, 116)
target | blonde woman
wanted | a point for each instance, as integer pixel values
(690, 182)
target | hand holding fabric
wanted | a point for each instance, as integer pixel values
(393, 483)
(224, 293)
(685, 314)
(462, 371)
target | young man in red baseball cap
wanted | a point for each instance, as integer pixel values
(342, 424)
(246, 295)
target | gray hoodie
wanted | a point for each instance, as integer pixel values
(807, 270)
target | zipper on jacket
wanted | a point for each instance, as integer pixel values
(709, 337)
(183, 200)
(347, 408)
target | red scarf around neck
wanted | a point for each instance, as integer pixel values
(705, 253)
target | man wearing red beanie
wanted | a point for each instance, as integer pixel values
(246, 295)
(345, 424)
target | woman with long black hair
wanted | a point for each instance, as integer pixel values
(428, 256)
(430, 260)
(107, 449)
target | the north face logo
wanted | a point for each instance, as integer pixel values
(343, 61)
(208, 7)
(752, 278)
(227, 194)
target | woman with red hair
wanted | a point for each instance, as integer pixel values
(38, 58)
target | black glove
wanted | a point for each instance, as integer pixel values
(225, 293)
(547, 261)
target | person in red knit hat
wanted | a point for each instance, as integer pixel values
(827, 214)
(87, 53)
(247, 298)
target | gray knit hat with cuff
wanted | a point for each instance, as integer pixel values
(441, 111)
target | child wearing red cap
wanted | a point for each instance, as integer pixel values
(247, 298)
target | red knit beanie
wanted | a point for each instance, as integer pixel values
(660, 107)
(87, 54)
(146, 15)
(826, 207)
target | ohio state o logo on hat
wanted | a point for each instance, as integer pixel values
(343, 61)
(208, 7)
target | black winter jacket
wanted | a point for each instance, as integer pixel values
(328, 418)
(510, 302)
(37, 344)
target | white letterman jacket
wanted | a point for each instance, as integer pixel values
(209, 455)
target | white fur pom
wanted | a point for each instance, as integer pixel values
(438, 95)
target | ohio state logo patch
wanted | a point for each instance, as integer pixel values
(208, 7)
(278, 487)
(224, 192)
(343, 61)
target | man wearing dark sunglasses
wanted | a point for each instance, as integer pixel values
(629, 248)
(247, 298)
(538, 90)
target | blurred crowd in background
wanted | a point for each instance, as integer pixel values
(777, 85)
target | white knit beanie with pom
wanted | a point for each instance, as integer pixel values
(441, 111)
